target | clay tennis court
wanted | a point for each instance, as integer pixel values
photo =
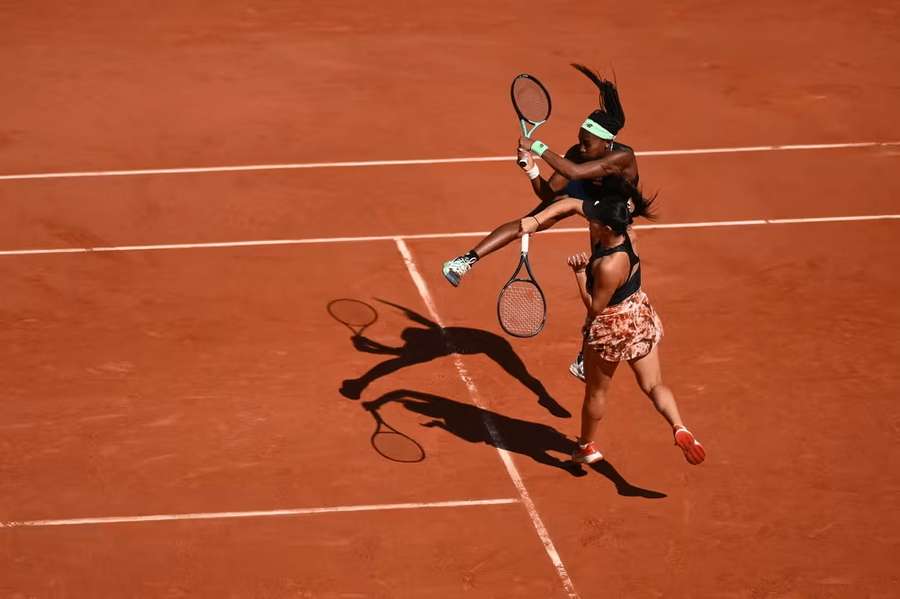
(186, 187)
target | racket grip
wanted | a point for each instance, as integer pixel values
(522, 159)
(525, 242)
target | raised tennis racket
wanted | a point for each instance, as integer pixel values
(532, 103)
(521, 308)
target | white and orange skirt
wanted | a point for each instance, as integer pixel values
(625, 331)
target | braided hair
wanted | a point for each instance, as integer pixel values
(610, 115)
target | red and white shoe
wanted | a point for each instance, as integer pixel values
(586, 454)
(693, 451)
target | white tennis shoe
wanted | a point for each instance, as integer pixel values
(577, 367)
(455, 269)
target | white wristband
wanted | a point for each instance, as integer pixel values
(533, 173)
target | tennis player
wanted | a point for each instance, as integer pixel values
(585, 167)
(621, 325)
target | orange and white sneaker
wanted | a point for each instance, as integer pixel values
(693, 450)
(586, 454)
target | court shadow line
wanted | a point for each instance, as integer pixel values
(429, 341)
(530, 439)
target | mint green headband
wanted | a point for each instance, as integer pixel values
(595, 128)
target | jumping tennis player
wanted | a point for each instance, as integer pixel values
(589, 169)
(621, 324)
(584, 169)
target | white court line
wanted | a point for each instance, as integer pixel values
(325, 240)
(258, 514)
(497, 440)
(367, 163)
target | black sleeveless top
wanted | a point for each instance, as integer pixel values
(598, 189)
(632, 285)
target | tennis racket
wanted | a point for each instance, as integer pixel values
(521, 308)
(532, 103)
(392, 444)
(354, 314)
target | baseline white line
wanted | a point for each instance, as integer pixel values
(420, 161)
(831, 219)
(325, 240)
(497, 440)
(258, 514)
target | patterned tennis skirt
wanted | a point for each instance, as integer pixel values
(625, 331)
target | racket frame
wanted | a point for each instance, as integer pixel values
(380, 424)
(523, 120)
(355, 327)
(523, 261)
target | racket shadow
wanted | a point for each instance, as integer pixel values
(354, 314)
(428, 341)
(391, 443)
(539, 442)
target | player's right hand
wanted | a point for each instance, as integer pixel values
(528, 225)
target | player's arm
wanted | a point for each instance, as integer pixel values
(550, 215)
(611, 164)
(545, 189)
(607, 276)
(579, 263)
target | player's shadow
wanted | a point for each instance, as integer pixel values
(429, 341)
(540, 442)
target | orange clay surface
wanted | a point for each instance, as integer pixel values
(207, 380)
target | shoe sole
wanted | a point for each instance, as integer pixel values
(574, 372)
(691, 447)
(588, 459)
(449, 278)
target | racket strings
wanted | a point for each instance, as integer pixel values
(353, 313)
(531, 100)
(397, 447)
(522, 309)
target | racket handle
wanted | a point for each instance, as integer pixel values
(525, 243)
(522, 160)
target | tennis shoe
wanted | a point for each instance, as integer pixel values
(455, 269)
(577, 367)
(690, 446)
(586, 454)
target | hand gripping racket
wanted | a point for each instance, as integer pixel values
(521, 308)
(532, 103)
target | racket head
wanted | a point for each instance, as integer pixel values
(521, 308)
(392, 444)
(397, 447)
(530, 99)
(352, 313)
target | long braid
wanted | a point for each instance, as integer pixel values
(610, 112)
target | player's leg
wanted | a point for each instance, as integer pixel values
(455, 269)
(599, 376)
(648, 372)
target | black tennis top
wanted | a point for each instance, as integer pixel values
(632, 285)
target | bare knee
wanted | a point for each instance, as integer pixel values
(648, 384)
(596, 395)
(595, 400)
